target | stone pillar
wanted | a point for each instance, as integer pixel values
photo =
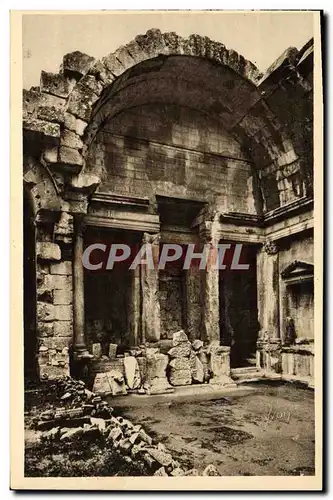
(210, 284)
(268, 306)
(80, 349)
(192, 303)
(151, 323)
(268, 290)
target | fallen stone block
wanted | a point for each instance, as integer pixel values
(180, 377)
(52, 433)
(192, 472)
(98, 422)
(115, 434)
(132, 372)
(178, 364)
(125, 445)
(177, 472)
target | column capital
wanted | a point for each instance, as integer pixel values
(270, 247)
(152, 239)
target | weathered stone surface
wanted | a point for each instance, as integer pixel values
(197, 344)
(71, 140)
(45, 329)
(42, 127)
(156, 366)
(56, 84)
(50, 155)
(182, 350)
(63, 312)
(45, 312)
(160, 472)
(112, 351)
(211, 470)
(180, 377)
(113, 64)
(63, 328)
(70, 156)
(179, 337)
(76, 64)
(74, 124)
(178, 471)
(197, 370)
(151, 321)
(48, 251)
(50, 114)
(161, 457)
(97, 350)
(180, 364)
(62, 297)
(192, 472)
(132, 372)
(81, 100)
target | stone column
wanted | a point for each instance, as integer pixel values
(268, 306)
(210, 284)
(268, 289)
(80, 349)
(151, 324)
(134, 307)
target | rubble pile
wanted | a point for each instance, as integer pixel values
(84, 416)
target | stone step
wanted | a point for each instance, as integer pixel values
(243, 369)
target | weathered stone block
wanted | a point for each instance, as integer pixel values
(56, 84)
(179, 337)
(156, 366)
(48, 251)
(71, 140)
(97, 350)
(132, 372)
(180, 364)
(56, 343)
(70, 156)
(62, 268)
(50, 114)
(42, 127)
(45, 329)
(197, 344)
(63, 312)
(62, 297)
(63, 328)
(75, 124)
(50, 155)
(45, 312)
(76, 64)
(180, 351)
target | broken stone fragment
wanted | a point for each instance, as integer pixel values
(211, 470)
(76, 64)
(98, 422)
(52, 433)
(72, 433)
(161, 457)
(115, 434)
(125, 445)
(178, 364)
(70, 156)
(177, 472)
(179, 337)
(112, 351)
(97, 350)
(56, 84)
(180, 377)
(43, 128)
(132, 372)
(48, 251)
(197, 370)
(197, 344)
(160, 472)
(192, 472)
(144, 437)
(182, 350)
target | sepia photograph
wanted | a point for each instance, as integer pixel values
(168, 180)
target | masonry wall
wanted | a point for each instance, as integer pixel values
(173, 151)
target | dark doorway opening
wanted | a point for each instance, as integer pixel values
(29, 292)
(238, 311)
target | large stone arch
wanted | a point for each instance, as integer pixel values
(62, 116)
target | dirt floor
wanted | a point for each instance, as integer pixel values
(269, 431)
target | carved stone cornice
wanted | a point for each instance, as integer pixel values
(271, 247)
